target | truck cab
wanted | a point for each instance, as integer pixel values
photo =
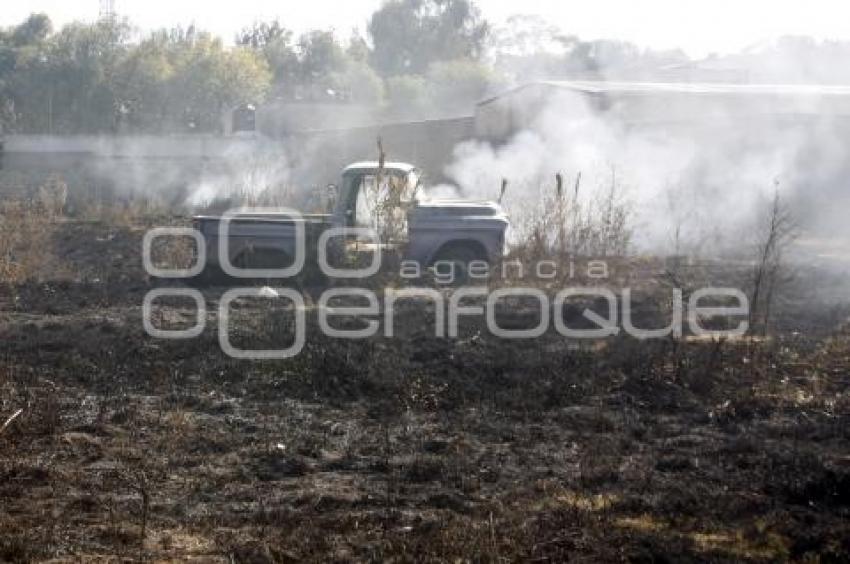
(391, 200)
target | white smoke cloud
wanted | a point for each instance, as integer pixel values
(247, 171)
(703, 170)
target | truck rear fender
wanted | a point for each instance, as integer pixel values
(477, 248)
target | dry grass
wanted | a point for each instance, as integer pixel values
(173, 253)
(144, 211)
(563, 223)
(469, 449)
(485, 450)
(25, 232)
(237, 199)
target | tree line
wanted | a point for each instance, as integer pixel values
(418, 58)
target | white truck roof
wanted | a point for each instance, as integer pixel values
(365, 166)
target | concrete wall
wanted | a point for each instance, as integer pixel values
(427, 144)
(284, 118)
(172, 166)
(126, 146)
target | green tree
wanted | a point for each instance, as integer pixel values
(143, 85)
(316, 66)
(75, 74)
(319, 56)
(409, 35)
(456, 85)
(209, 79)
(358, 49)
(407, 95)
(261, 34)
(23, 54)
(34, 30)
(358, 83)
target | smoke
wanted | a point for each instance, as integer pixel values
(695, 171)
(184, 172)
(257, 174)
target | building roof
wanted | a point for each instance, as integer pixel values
(684, 88)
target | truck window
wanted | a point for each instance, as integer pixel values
(383, 207)
(365, 197)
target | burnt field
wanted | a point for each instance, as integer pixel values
(405, 448)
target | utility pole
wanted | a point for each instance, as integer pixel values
(108, 20)
(107, 10)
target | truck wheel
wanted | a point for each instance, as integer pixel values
(459, 257)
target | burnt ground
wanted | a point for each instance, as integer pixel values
(403, 449)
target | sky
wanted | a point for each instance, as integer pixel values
(700, 27)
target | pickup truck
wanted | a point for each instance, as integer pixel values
(384, 197)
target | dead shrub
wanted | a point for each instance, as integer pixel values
(173, 252)
(247, 196)
(563, 223)
(125, 213)
(770, 272)
(52, 196)
(25, 232)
